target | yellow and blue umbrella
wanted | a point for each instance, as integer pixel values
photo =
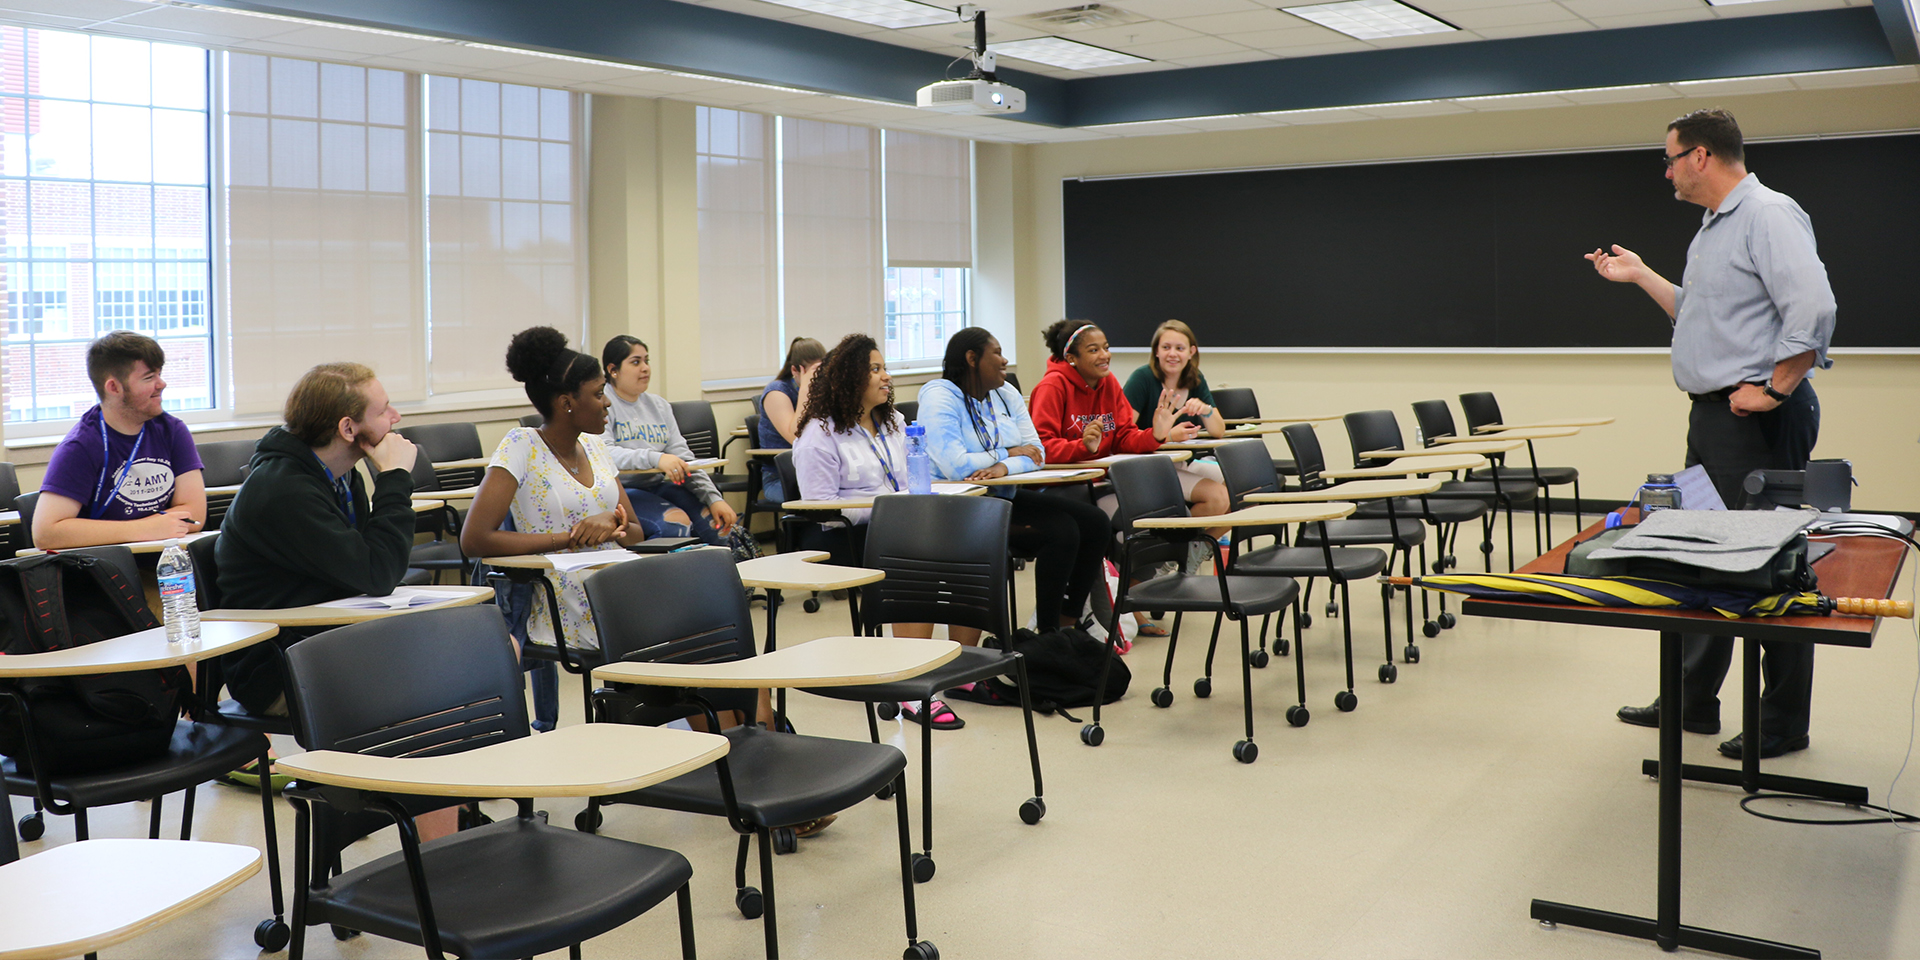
(1641, 592)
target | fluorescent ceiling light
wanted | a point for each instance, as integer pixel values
(892, 14)
(1372, 19)
(1065, 54)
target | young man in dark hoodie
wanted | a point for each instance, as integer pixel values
(301, 529)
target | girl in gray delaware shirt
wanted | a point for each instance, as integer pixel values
(642, 435)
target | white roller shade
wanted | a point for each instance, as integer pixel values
(323, 226)
(929, 201)
(739, 289)
(830, 229)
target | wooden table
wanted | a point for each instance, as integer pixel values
(468, 463)
(1517, 433)
(1857, 567)
(861, 503)
(1483, 447)
(1411, 466)
(1255, 429)
(316, 615)
(802, 570)
(225, 489)
(1356, 490)
(1044, 478)
(458, 493)
(137, 546)
(700, 465)
(826, 662)
(1562, 422)
(144, 650)
(1102, 463)
(584, 760)
(1318, 418)
(77, 898)
(739, 431)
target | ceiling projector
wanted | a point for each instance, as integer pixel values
(981, 93)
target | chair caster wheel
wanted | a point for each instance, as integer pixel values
(922, 868)
(1412, 653)
(1451, 560)
(1333, 610)
(884, 793)
(1486, 548)
(1298, 716)
(784, 841)
(1246, 751)
(344, 933)
(1033, 811)
(748, 900)
(33, 826)
(1282, 647)
(886, 710)
(1258, 659)
(1156, 615)
(1447, 621)
(1389, 673)
(272, 935)
(923, 950)
(810, 605)
(1346, 701)
(1306, 620)
(1092, 735)
(589, 820)
(1202, 688)
(1162, 697)
(1431, 629)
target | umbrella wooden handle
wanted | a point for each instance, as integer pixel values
(1862, 606)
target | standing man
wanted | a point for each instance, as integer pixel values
(302, 529)
(1754, 315)
(128, 470)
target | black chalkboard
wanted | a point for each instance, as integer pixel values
(1466, 253)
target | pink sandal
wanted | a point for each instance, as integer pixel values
(943, 716)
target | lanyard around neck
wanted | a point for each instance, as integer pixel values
(880, 451)
(988, 442)
(106, 454)
(341, 491)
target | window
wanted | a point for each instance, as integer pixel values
(103, 213)
(739, 289)
(925, 306)
(929, 232)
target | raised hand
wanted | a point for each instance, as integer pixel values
(1620, 265)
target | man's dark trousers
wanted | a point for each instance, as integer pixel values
(1730, 447)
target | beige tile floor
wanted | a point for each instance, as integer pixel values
(1418, 826)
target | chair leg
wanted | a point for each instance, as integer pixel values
(153, 817)
(1213, 643)
(740, 864)
(1245, 751)
(186, 813)
(1347, 601)
(80, 823)
(771, 927)
(303, 834)
(1036, 806)
(906, 863)
(926, 786)
(684, 897)
(1173, 642)
(1300, 657)
(276, 932)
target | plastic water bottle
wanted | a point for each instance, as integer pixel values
(919, 464)
(179, 598)
(1659, 493)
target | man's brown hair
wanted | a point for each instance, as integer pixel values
(324, 395)
(1714, 129)
(113, 355)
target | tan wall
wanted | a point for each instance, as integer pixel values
(1871, 403)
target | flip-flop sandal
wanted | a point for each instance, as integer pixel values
(249, 778)
(813, 827)
(1151, 629)
(943, 716)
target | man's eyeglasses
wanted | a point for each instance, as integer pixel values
(1682, 155)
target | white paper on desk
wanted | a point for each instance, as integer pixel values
(570, 562)
(705, 462)
(402, 598)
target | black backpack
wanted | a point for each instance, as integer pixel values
(1063, 671)
(86, 723)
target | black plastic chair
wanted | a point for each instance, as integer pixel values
(24, 503)
(431, 684)
(1239, 403)
(223, 463)
(1247, 470)
(945, 559)
(690, 608)
(789, 527)
(757, 501)
(1399, 534)
(697, 427)
(198, 752)
(908, 410)
(1436, 421)
(443, 552)
(1482, 409)
(533, 420)
(1149, 487)
(15, 537)
(443, 442)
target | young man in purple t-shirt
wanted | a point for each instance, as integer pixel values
(127, 471)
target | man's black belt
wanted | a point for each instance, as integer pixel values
(1718, 396)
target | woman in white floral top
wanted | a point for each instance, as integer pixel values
(557, 481)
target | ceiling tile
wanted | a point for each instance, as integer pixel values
(1150, 66)
(1300, 34)
(89, 10)
(1244, 56)
(1510, 16)
(1532, 29)
(1248, 21)
(1855, 78)
(209, 21)
(1650, 19)
(1133, 34)
(960, 35)
(1172, 9)
(1628, 94)
(1315, 48)
(1518, 101)
(1191, 47)
(346, 41)
(1626, 9)
(1733, 87)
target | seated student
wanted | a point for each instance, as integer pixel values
(127, 471)
(780, 405)
(557, 480)
(646, 437)
(977, 429)
(302, 529)
(1171, 384)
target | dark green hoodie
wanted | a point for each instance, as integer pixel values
(285, 542)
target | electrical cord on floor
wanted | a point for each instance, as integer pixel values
(1895, 817)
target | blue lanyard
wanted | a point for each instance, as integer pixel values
(106, 454)
(341, 491)
(988, 443)
(880, 451)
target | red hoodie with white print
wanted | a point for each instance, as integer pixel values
(1062, 405)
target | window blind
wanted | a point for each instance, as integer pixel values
(324, 239)
(830, 231)
(929, 201)
(739, 305)
(505, 221)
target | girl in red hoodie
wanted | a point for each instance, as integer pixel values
(1079, 409)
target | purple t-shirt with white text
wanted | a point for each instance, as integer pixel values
(77, 469)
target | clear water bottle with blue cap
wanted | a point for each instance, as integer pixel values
(179, 598)
(1659, 493)
(919, 464)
